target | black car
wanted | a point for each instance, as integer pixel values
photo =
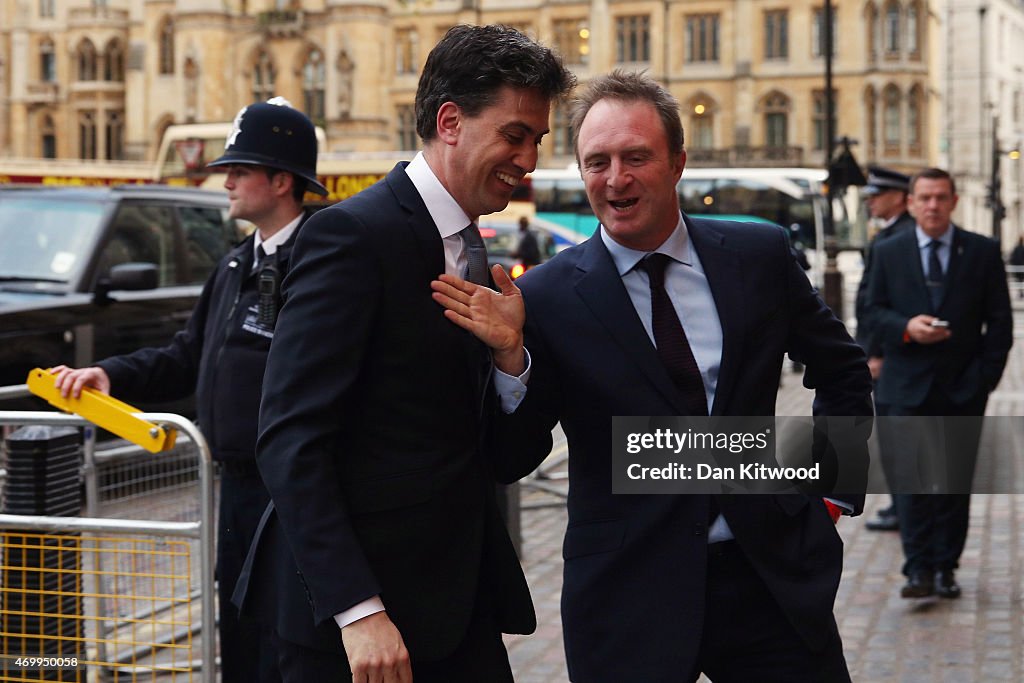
(87, 273)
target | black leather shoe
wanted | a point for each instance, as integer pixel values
(946, 585)
(883, 522)
(919, 585)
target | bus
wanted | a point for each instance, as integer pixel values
(74, 172)
(794, 198)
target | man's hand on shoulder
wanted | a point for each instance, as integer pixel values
(376, 651)
(495, 318)
(72, 380)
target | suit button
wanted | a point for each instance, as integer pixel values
(698, 529)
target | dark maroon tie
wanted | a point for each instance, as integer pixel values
(670, 339)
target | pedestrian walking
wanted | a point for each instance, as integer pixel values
(940, 308)
(886, 193)
(1017, 260)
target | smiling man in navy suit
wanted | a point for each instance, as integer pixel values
(659, 588)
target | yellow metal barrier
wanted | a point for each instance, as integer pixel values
(51, 581)
(96, 599)
(103, 410)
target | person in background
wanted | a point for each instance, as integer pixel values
(220, 356)
(939, 306)
(886, 193)
(528, 250)
(383, 557)
(1017, 260)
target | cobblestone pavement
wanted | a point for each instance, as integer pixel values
(976, 638)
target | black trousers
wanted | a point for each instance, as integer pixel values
(246, 647)
(480, 658)
(933, 526)
(746, 636)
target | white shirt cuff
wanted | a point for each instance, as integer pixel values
(363, 609)
(512, 390)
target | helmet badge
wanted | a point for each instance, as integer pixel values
(236, 128)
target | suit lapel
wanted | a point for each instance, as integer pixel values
(725, 278)
(600, 288)
(418, 220)
(428, 239)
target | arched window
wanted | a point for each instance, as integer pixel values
(871, 31)
(115, 135)
(561, 130)
(891, 119)
(406, 127)
(47, 61)
(113, 62)
(167, 46)
(263, 77)
(892, 28)
(915, 123)
(47, 137)
(819, 117)
(775, 107)
(871, 121)
(313, 78)
(86, 61)
(914, 29)
(702, 123)
(87, 135)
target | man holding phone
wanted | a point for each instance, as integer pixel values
(940, 306)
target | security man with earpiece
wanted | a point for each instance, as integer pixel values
(270, 159)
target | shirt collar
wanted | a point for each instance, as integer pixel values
(271, 244)
(923, 240)
(676, 246)
(446, 213)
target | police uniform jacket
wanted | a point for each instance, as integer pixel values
(220, 356)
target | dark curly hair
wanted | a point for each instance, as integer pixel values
(472, 63)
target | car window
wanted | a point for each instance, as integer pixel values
(499, 241)
(143, 234)
(209, 234)
(44, 240)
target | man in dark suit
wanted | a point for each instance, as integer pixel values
(886, 194)
(270, 160)
(658, 588)
(940, 307)
(372, 415)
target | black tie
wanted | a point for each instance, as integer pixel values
(934, 274)
(476, 255)
(670, 339)
(261, 255)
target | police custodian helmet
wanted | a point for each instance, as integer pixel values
(276, 135)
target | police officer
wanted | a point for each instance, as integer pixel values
(886, 194)
(270, 159)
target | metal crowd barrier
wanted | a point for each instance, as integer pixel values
(130, 591)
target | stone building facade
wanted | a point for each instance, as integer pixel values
(103, 78)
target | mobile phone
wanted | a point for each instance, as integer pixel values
(940, 323)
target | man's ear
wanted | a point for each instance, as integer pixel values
(449, 120)
(281, 183)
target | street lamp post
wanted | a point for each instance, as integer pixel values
(994, 201)
(833, 284)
